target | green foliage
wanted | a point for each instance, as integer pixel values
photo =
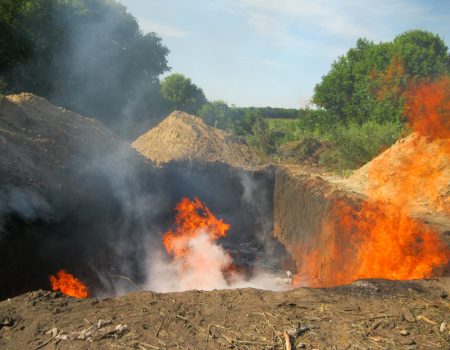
(422, 53)
(182, 94)
(273, 112)
(15, 46)
(307, 147)
(87, 55)
(247, 121)
(260, 138)
(318, 121)
(241, 119)
(219, 115)
(319, 136)
(351, 90)
(355, 144)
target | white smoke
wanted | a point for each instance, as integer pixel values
(202, 268)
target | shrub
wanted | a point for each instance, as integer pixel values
(356, 144)
(260, 138)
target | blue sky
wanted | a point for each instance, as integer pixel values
(273, 52)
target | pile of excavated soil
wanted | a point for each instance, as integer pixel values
(45, 147)
(413, 174)
(368, 314)
(184, 137)
(415, 159)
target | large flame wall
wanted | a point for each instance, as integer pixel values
(336, 236)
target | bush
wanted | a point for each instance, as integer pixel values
(219, 115)
(305, 149)
(260, 138)
(356, 144)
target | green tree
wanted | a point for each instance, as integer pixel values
(86, 55)
(424, 54)
(15, 46)
(351, 89)
(247, 121)
(260, 137)
(219, 114)
(182, 94)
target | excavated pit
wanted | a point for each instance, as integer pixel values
(100, 240)
(73, 196)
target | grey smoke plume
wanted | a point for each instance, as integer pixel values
(22, 202)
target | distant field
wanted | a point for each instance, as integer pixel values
(283, 123)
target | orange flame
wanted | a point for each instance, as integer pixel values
(192, 219)
(381, 238)
(415, 173)
(69, 285)
(198, 261)
(428, 108)
(377, 240)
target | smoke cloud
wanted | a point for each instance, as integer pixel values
(203, 269)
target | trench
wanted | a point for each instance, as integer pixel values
(277, 216)
(100, 237)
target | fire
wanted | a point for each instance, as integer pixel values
(193, 218)
(69, 285)
(428, 109)
(199, 262)
(382, 238)
(421, 177)
(377, 240)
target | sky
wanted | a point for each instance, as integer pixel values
(273, 52)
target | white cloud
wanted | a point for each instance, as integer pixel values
(163, 30)
(278, 20)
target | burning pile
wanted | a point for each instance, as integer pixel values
(382, 239)
(69, 285)
(199, 262)
(194, 259)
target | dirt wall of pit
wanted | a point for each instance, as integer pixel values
(322, 223)
(304, 203)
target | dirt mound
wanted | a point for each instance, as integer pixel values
(44, 146)
(185, 137)
(367, 314)
(414, 172)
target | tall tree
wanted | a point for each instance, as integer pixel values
(182, 94)
(87, 55)
(351, 90)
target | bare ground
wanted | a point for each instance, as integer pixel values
(371, 314)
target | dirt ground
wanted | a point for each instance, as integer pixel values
(369, 314)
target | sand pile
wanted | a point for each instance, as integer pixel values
(414, 172)
(185, 137)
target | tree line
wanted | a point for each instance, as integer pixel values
(90, 56)
(86, 55)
